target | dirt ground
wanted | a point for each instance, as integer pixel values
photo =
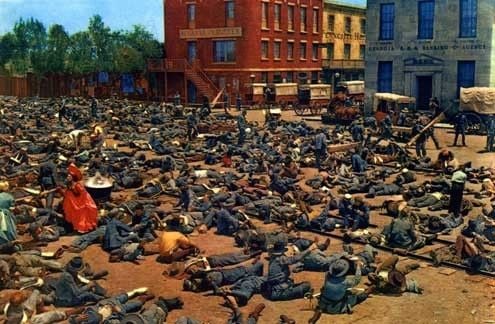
(454, 298)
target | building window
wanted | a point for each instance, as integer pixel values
(348, 23)
(290, 77)
(191, 51)
(465, 74)
(276, 50)
(363, 26)
(426, 19)
(224, 51)
(384, 76)
(316, 20)
(290, 51)
(277, 77)
(191, 12)
(347, 51)
(264, 15)
(315, 51)
(290, 18)
(331, 23)
(304, 20)
(302, 51)
(264, 49)
(468, 18)
(387, 18)
(330, 51)
(276, 16)
(229, 9)
(264, 77)
(362, 52)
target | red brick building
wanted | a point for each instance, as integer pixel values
(216, 44)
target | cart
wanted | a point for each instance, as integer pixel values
(391, 104)
(477, 104)
(312, 98)
(354, 90)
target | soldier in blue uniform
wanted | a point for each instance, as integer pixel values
(490, 134)
(320, 147)
(192, 125)
(279, 285)
(461, 124)
(241, 125)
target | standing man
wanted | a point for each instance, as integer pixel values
(177, 99)
(386, 129)
(456, 192)
(267, 94)
(490, 134)
(94, 107)
(320, 147)
(62, 113)
(241, 125)
(421, 141)
(238, 102)
(226, 103)
(205, 110)
(460, 128)
(434, 106)
(192, 125)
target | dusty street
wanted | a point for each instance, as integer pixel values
(448, 298)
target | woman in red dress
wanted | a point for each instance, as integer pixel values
(79, 208)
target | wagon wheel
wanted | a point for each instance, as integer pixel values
(315, 109)
(299, 109)
(474, 124)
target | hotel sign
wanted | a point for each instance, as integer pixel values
(210, 32)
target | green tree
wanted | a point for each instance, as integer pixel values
(31, 40)
(58, 44)
(79, 56)
(102, 42)
(8, 46)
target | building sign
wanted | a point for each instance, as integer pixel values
(453, 46)
(344, 36)
(423, 60)
(210, 32)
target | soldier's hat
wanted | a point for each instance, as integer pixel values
(278, 248)
(397, 279)
(133, 319)
(339, 268)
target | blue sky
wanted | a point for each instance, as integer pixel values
(74, 14)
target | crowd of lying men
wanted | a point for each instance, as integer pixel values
(46, 144)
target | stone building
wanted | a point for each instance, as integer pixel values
(344, 40)
(229, 44)
(429, 48)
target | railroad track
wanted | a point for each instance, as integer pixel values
(408, 254)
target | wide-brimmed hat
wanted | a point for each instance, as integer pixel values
(397, 279)
(75, 265)
(339, 268)
(278, 248)
(133, 319)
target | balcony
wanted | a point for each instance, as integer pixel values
(167, 65)
(343, 64)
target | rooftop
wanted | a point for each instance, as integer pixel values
(344, 4)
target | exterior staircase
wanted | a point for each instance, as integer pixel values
(196, 75)
(192, 72)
